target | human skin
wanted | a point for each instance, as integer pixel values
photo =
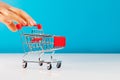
(9, 15)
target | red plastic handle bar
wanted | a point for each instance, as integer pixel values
(19, 26)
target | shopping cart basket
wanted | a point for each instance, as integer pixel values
(35, 41)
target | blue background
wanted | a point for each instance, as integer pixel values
(90, 26)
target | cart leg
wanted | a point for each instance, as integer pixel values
(52, 55)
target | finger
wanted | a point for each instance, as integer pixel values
(2, 4)
(23, 15)
(13, 16)
(8, 22)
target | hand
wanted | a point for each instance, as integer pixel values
(9, 15)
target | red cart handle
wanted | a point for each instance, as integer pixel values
(19, 26)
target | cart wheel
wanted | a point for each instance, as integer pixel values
(40, 62)
(58, 64)
(24, 64)
(49, 67)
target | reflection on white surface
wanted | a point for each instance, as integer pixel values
(74, 67)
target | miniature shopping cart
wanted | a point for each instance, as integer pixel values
(35, 41)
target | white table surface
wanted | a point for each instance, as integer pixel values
(74, 67)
